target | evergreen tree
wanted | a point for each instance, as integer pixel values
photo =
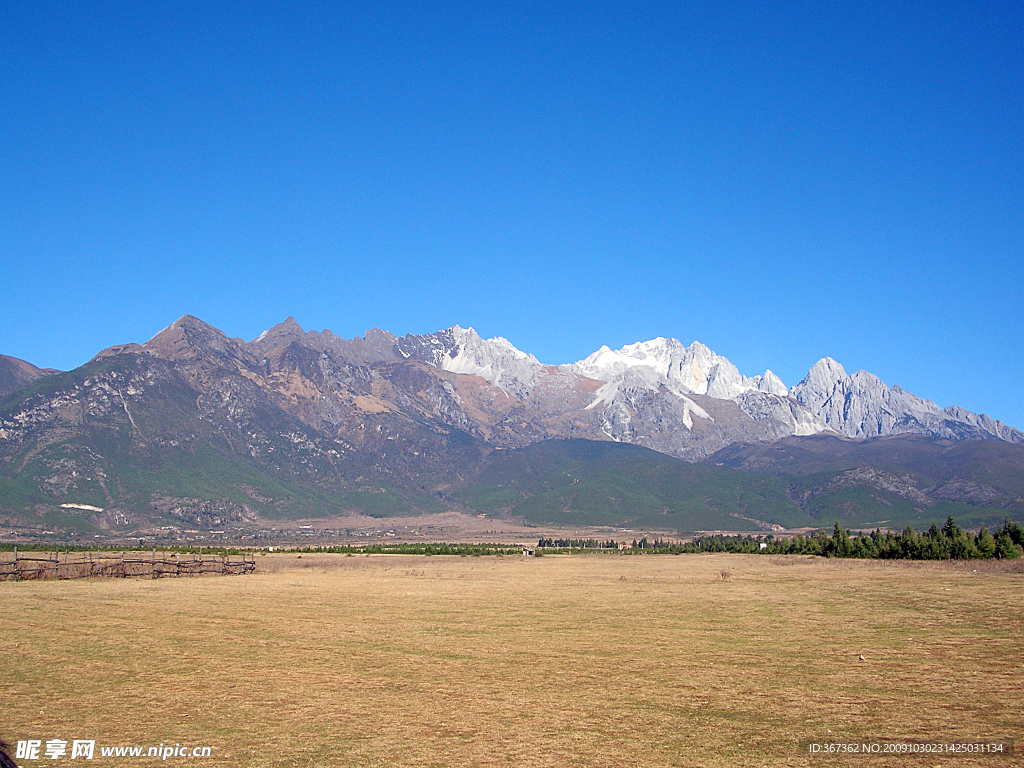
(985, 543)
(910, 544)
(888, 545)
(841, 544)
(934, 545)
(797, 545)
(960, 545)
(1015, 531)
(818, 544)
(1006, 548)
(865, 547)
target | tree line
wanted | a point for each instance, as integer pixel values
(578, 543)
(951, 542)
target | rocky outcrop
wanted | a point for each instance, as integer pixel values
(861, 405)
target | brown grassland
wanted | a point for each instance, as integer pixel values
(582, 660)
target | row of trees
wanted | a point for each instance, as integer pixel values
(949, 542)
(578, 543)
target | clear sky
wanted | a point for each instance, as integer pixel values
(782, 181)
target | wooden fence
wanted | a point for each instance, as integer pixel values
(80, 565)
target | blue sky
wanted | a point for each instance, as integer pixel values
(780, 181)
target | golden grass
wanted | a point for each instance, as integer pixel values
(588, 660)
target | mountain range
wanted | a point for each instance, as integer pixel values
(196, 427)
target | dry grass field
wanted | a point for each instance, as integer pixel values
(583, 660)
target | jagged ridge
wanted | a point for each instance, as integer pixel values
(386, 423)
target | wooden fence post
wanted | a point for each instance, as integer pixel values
(89, 563)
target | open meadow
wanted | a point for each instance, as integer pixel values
(581, 660)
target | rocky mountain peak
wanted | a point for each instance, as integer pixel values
(282, 334)
(289, 327)
(659, 354)
(684, 400)
(695, 369)
(186, 338)
(861, 405)
(772, 384)
(379, 336)
(463, 350)
(825, 370)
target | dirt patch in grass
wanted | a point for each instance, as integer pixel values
(584, 660)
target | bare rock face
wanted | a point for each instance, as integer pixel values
(326, 418)
(862, 405)
(642, 393)
(969, 491)
(203, 513)
(333, 398)
(872, 477)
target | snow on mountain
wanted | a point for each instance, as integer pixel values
(649, 389)
(861, 405)
(495, 360)
(462, 350)
(696, 368)
(618, 393)
(635, 377)
(687, 402)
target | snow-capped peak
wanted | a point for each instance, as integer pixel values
(495, 360)
(462, 350)
(696, 369)
(658, 354)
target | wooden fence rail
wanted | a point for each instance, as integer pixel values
(79, 565)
